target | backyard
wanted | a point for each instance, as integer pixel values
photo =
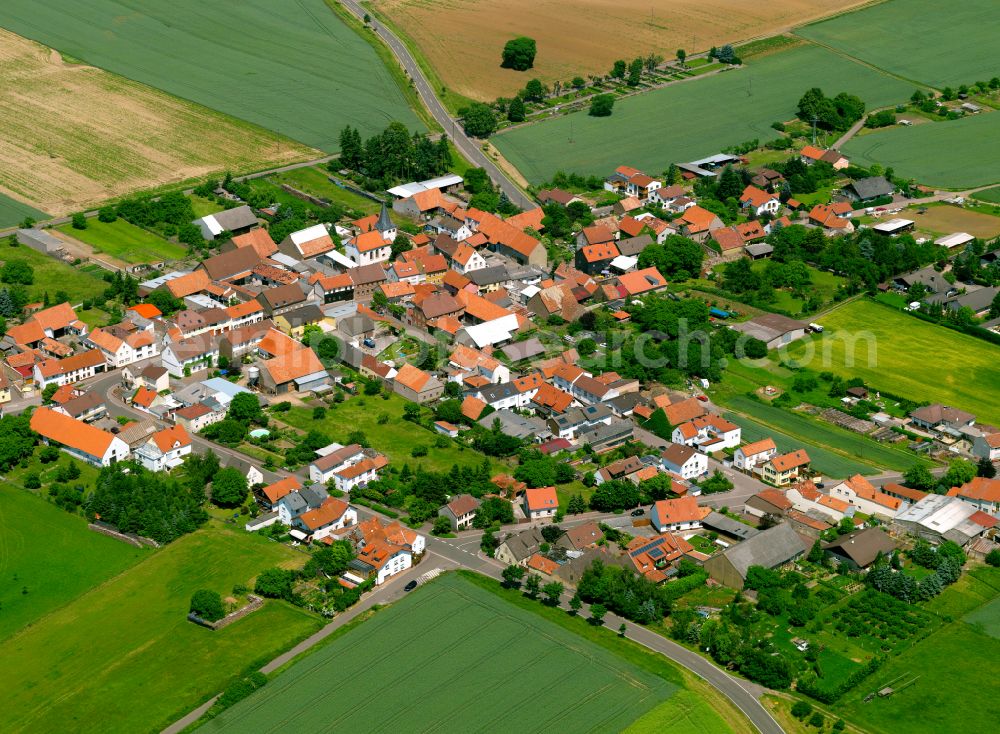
(52, 275)
(315, 180)
(125, 652)
(301, 73)
(396, 437)
(702, 115)
(42, 571)
(889, 350)
(125, 241)
(446, 630)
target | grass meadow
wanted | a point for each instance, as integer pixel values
(940, 698)
(13, 212)
(125, 653)
(395, 438)
(692, 119)
(441, 647)
(48, 557)
(52, 275)
(300, 71)
(990, 195)
(955, 154)
(914, 359)
(125, 241)
(935, 43)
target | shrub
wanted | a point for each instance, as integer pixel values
(801, 709)
(208, 605)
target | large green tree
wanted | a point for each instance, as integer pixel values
(229, 488)
(479, 120)
(519, 54)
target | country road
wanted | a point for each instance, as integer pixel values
(467, 146)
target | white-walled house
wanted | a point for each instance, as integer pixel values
(754, 454)
(322, 470)
(119, 352)
(677, 515)
(79, 439)
(165, 449)
(862, 494)
(332, 515)
(540, 503)
(684, 460)
(708, 432)
(70, 369)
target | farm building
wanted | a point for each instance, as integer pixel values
(771, 548)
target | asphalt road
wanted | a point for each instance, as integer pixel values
(466, 145)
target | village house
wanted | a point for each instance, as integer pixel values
(941, 418)
(759, 202)
(460, 511)
(684, 461)
(70, 369)
(332, 515)
(677, 515)
(772, 502)
(708, 433)
(540, 503)
(165, 449)
(80, 440)
(515, 550)
(862, 494)
(771, 548)
(123, 349)
(237, 220)
(655, 557)
(322, 470)
(981, 493)
(859, 549)
(416, 385)
(386, 550)
(786, 468)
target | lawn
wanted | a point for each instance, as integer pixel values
(316, 181)
(824, 283)
(124, 654)
(847, 443)
(690, 120)
(956, 154)
(444, 645)
(396, 438)
(48, 558)
(13, 212)
(889, 350)
(125, 241)
(52, 275)
(894, 36)
(300, 72)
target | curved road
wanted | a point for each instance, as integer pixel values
(466, 145)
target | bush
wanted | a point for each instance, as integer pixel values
(418, 451)
(208, 605)
(602, 105)
(993, 557)
(801, 709)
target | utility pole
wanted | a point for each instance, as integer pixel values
(814, 120)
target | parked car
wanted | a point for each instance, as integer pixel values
(639, 512)
(370, 343)
(410, 586)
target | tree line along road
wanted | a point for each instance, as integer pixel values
(466, 146)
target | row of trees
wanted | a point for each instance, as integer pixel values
(393, 155)
(830, 113)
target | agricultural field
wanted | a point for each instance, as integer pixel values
(125, 241)
(13, 212)
(902, 344)
(938, 667)
(72, 135)
(935, 43)
(691, 119)
(302, 72)
(125, 652)
(40, 572)
(947, 218)
(581, 37)
(446, 630)
(52, 275)
(955, 154)
(989, 195)
(396, 438)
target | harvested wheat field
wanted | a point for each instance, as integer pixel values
(463, 39)
(73, 135)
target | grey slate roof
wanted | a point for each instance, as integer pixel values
(489, 275)
(524, 545)
(729, 526)
(236, 218)
(872, 187)
(384, 222)
(769, 549)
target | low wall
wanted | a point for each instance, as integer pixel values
(255, 603)
(137, 540)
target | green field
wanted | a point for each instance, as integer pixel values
(315, 180)
(52, 275)
(912, 359)
(941, 699)
(396, 438)
(440, 649)
(123, 657)
(126, 241)
(987, 616)
(693, 119)
(297, 70)
(823, 282)
(13, 212)
(48, 558)
(990, 195)
(928, 41)
(956, 154)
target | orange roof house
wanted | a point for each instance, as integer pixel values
(91, 443)
(281, 488)
(259, 239)
(642, 281)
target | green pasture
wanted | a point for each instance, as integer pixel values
(692, 119)
(48, 557)
(395, 438)
(52, 275)
(990, 195)
(126, 241)
(954, 154)
(315, 180)
(123, 656)
(440, 648)
(297, 70)
(893, 351)
(13, 212)
(928, 41)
